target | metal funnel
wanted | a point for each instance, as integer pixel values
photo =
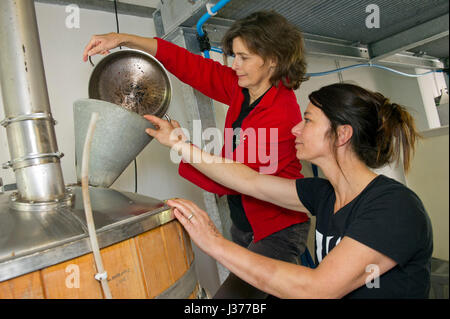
(119, 137)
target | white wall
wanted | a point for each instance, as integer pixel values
(430, 86)
(429, 178)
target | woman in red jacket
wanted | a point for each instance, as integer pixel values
(268, 65)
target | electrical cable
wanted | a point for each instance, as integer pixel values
(135, 176)
(219, 50)
(117, 19)
(371, 65)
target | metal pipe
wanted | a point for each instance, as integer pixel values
(29, 123)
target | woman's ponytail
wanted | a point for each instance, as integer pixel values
(396, 134)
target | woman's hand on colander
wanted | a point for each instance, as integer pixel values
(101, 44)
(167, 133)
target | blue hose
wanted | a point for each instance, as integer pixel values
(206, 16)
(200, 23)
(216, 49)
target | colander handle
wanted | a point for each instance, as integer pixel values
(90, 61)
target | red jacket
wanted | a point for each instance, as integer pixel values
(278, 109)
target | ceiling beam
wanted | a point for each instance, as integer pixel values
(106, 6)
(316, 45)
(411, 38)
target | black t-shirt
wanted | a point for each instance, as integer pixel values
(385, 216)
(237, 212)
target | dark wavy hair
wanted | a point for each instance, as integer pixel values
(382, 130)
(270, 35)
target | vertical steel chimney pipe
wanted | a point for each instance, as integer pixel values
(29, 123)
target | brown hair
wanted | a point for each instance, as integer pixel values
(269, 35)
(381, 129)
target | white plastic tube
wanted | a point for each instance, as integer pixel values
(101, 275)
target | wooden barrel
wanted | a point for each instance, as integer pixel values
(155, 261)
(155, 264)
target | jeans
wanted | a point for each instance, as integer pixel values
(287, 245)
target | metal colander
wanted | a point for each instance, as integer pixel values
(134, 80)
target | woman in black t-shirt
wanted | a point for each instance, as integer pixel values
(373, 235)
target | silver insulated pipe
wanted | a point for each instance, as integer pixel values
(28, 120)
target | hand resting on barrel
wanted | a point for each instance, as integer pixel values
(197, 223)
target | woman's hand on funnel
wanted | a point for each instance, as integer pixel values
(167, 133)
(101, 44)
